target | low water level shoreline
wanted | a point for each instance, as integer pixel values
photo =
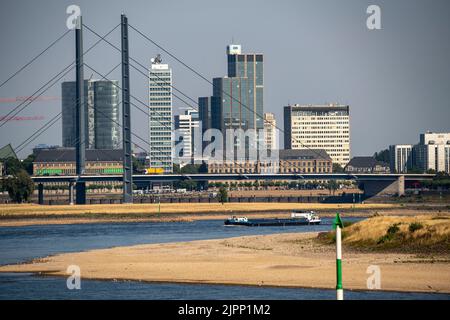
(280, 260)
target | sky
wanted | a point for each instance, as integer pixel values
(396, 80)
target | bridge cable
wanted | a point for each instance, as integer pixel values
(35, 97)
(36, 57)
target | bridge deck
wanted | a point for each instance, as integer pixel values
(219, 177)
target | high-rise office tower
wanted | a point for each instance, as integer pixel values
(251, 67)
(207, 114)
(270, 131)
(319, 127)
(237, 100)
(433, 152)
(185, 125)
(160, 116)
(101, 111)
(401, 158)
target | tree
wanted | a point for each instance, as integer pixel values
(20, 186)
(138, 166)
(415, 169)
(187, 169)
(383, 155)
(12, 166)
(337, 168)
(27, 163)
(441, 175)
(223, 195)
(332, 186)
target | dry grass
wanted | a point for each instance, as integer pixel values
(30, 210)
(419, 233)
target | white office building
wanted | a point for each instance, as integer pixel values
(433, 152)
(401, 158)
(186, 126)
(270, 131)
(324, 127)
(160, 116)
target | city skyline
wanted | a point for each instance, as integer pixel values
(382, 64)
(225, 151)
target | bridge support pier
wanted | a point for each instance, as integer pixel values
(71, 193)
(126, 116)
(374, 188)
(41, 193)
(81, 193)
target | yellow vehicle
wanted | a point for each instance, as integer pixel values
(154, 171)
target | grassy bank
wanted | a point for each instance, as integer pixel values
(426, 234)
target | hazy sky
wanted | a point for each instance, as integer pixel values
(396, 80)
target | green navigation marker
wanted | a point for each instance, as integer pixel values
(338, 225)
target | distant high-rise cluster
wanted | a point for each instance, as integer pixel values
(101, 112)
(432, 153)
(236, 104)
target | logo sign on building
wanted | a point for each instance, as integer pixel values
(234, 49)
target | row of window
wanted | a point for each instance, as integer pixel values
(253, 170)
(72, 171)
(160, 73)
(298, 131)
(168, 104)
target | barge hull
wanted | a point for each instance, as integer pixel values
(271, 223)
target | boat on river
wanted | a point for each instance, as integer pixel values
(298, 218)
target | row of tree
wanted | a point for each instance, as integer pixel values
(18, 183)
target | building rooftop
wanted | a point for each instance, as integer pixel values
(365, 162)
(68, 155)
(303, 154)
(319, 107)
(7, 152)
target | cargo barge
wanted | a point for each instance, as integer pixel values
(298, 218)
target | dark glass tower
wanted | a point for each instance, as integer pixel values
(251, 67)
(101, 112)
(237, 101)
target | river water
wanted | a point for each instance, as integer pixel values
(19, 244)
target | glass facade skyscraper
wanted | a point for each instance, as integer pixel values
(101, 112)
(237, 101)
(160, 116)
(251, 67)
(105, 98)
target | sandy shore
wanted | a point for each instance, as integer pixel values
(288, 260)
